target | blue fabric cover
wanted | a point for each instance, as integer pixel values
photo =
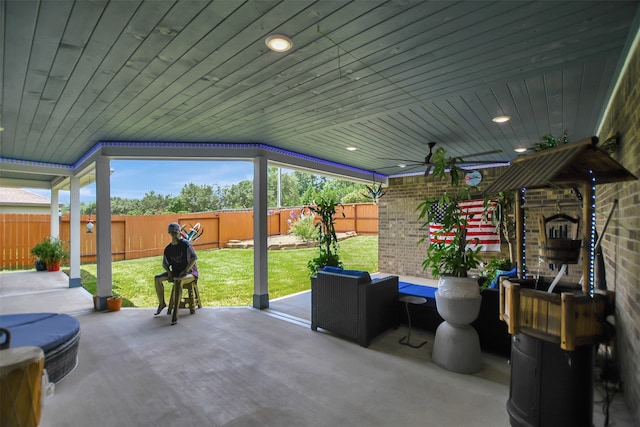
(403, 285)
(511, 273)
(8, 321)
(44, 330)
(356, 273)
(417, 290)
(331, 269)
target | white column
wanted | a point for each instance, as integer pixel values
(74, 233)
(55, 214)
(103, 231)
(260, 276)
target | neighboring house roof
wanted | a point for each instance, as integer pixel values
(19, 196)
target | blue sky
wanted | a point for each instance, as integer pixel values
(132, 179)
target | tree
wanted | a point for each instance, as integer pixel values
(153, 203)
(306, 180)
(238, 196)
(120, 206)
(199, 198)
(289, 195)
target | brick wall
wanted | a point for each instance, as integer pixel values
(621, 244)
(399, 228)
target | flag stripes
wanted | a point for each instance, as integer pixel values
(483, 230)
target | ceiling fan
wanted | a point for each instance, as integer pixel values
(413, 164)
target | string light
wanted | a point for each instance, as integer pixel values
(592, 245)
(523, 249)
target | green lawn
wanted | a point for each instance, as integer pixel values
(226, 275)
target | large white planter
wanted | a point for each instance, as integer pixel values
(457, 345)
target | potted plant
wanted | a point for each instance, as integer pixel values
(326, 209)
(499, 210)
(494, 268)
(456, 346)
(447, 253)
(51, 251)
(114, 302)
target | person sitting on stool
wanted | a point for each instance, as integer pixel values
(179, 263)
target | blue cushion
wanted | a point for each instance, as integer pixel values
(331, 269)
(511, 273)
(403, 284)
(417, 290)
(44, 330)
(8, 321)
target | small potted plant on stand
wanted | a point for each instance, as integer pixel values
(456, 346)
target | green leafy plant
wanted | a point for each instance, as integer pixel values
(51, 251)
(326, 209)
(490, 270)
(304, 228)
(500, 210)
(550, 141)
(448, 254)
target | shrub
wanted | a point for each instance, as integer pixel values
(305, 229)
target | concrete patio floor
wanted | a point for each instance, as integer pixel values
(238, 366)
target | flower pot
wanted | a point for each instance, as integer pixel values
(40, 265)
(53, 266)
(114, 303)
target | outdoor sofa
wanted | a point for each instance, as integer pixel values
(58, 335)
(350, 304)
(493, 333)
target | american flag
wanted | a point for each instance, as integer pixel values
(489, 238)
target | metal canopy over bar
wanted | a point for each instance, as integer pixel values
(569, 164)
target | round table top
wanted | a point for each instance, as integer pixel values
(411, 299)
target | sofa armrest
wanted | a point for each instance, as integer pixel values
(354, 307)
(334, 301)
(377, 308)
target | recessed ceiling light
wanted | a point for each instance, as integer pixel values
(279, 43)
(520, 150)
(402, 165)
(501, 119)
(1, 128)
(351, 148)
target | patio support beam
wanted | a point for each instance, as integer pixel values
(55, 215)
(74, 233)
(103, 231)
(260, 231)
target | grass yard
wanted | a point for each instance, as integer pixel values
(226, 275)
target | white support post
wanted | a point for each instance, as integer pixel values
(103, 231)
(55, 214)
(260, 265)
(74, 233)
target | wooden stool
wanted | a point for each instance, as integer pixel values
(190, 301)
(21, 385)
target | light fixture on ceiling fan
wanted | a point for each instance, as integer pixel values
(413, 164)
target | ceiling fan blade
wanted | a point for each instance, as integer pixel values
(405, 161)
(480, 162)
(484, 153)
(427, 170)
(409, 169)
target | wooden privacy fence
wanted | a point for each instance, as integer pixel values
(144, 236)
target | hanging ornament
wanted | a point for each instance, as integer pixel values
(375, 192)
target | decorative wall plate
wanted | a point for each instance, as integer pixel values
(473, 178)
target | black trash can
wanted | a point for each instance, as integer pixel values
(550, 386)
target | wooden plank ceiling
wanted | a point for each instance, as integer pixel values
(385, 77)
